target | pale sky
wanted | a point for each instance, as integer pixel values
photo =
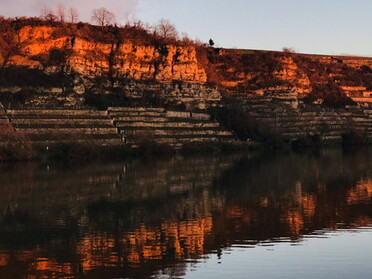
(309, 26)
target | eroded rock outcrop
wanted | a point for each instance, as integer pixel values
(81, 59)
(94, 59)
(88, 66)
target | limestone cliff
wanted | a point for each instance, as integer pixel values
(94, 59)
(88, 66)
(333, 80)
(72, 64)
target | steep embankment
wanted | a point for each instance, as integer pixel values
(60, 64)
(328, 79)
(68, 61)
(44, 48)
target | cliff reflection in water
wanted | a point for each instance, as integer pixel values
(132, 219)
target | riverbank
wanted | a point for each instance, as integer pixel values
(18, 150)
(80, 151)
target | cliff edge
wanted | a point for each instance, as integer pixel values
(45, 63)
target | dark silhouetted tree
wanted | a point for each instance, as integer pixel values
(211, 43)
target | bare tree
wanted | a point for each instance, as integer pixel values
(48, 14)
(73, 15)
(103, 17)
(61, 12)
(166, 29)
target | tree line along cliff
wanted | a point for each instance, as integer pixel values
(48, 63)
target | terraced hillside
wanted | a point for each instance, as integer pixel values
(4, 120)
(134, 126)
(117, 126)
(170, 127)
(45, 127)
(295, 123)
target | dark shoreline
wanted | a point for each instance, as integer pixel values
(74, 151)
(77, 151)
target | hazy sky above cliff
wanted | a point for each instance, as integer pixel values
(317, 26)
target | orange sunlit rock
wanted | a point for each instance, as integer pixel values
(361, 193)
(184, 239)
(294, 220)
(308, 205)
(3, 260)
(91, 58)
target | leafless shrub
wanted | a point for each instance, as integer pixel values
(103, 17)
(61, 12)
(166, 29)
(288, 50)
(48, 14)
(73, 15)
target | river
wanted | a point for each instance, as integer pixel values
(257, 215)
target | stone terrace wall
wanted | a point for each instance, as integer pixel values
(170, 127)
(117, 126)
(123, 125)
(4, 120)
(293, 124)
(46, 127)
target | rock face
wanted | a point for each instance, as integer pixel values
(94, 59)
(294, 75)
(136, 62)
(198, 95)
(336, 80)
(171, 72)
(77, 61)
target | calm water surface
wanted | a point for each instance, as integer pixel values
(237, 216)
